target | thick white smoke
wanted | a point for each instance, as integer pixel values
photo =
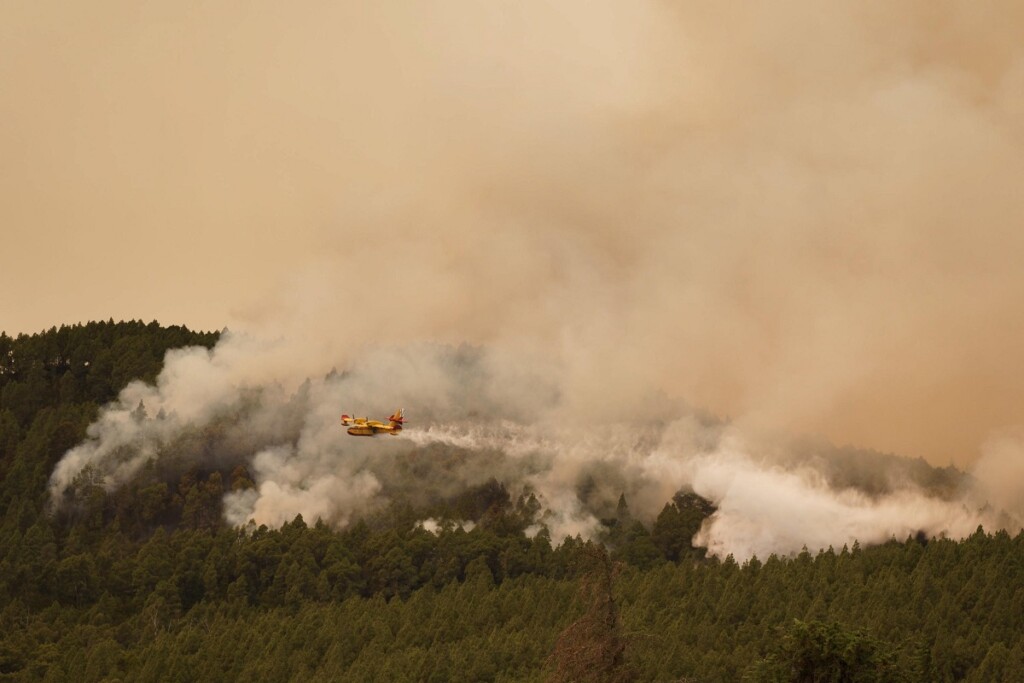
(475, 414)
(764, 509)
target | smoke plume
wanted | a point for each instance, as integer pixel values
(476, 415)
(802, 216)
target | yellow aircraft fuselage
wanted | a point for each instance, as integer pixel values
(360, 426)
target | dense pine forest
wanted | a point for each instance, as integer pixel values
(146, 582)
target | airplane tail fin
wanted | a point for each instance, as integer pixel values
(397, 419)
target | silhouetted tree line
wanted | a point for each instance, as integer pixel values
(147, 582)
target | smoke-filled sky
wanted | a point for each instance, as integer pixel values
(806, 216)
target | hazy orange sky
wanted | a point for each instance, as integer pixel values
(803, 214)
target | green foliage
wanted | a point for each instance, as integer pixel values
(678, 523)
(815, 652)
(84, 363)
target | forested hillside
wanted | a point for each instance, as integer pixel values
(146, 582)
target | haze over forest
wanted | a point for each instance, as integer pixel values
(674, 287)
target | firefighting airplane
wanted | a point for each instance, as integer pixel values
(360, 426)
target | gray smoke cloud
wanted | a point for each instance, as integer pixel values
(476, 415)
(802, 216)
